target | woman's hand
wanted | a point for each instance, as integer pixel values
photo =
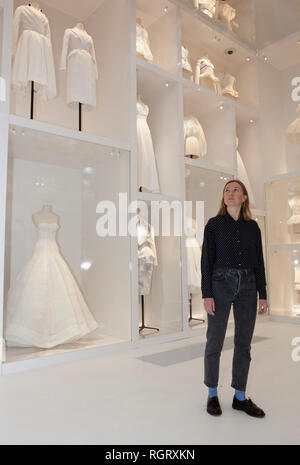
(209, 305)
(262, 306)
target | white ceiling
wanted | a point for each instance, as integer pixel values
(80, 9)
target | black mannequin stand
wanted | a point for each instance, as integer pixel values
(191, 312)
(32, 100)
(80, 116)
(143, 318)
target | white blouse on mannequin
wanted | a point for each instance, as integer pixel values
(32, 50)
(79, 59)
(227, 82)
(225, 13)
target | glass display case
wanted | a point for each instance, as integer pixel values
(283, 235)
(67, 282)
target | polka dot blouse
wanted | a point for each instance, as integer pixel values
(234, 244)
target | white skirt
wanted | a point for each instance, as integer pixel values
(34, 62)
(81, 79)
(45, 306)
(147, 173)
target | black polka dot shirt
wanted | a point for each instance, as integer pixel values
(234, 244)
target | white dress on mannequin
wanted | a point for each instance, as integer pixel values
(294, 203)
(33, 52)
(79, 59)
(193, 251)
(293, 131)
(227, 82)
(147, 256)
(142, 43)
(147, 172)
(186, 62)
(243, 176)
(205, 74)
(45, 306)
(195, 141)
(225, 13)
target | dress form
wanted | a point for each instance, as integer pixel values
(205, 74)
(143, 50)
(225, 13)
(187, 69)
(45, 215)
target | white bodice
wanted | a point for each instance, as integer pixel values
(27, 18)
(228, 84)
(294, 203)
(47, 232)
(146, 242)
(207, 6)
(76, 40)
(192, 127)
(142, 110)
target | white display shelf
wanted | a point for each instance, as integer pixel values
(283, 247)
(22, 123)
(149, 197)
(148, 69)
(215, 26)
(199, 163)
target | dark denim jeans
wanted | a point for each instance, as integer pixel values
(229, 286)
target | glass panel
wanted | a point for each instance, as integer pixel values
(160, 285)
(51, 269)
(284, 271)
(205, 185)
(283, 207)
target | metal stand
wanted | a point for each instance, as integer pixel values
(32, 100)
(80, 116)
(191, 312)
(143, 318)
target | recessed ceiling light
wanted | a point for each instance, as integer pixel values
(166, 9)
(265, 58)
(221, 107)
(251, 121)
(167, 84)
(248, 59)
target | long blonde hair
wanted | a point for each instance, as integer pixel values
(245, 212)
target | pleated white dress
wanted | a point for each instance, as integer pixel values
(147, 172)
(147, 256)
(45, 306)
(79, 59)
(195, 140)
(33, 52)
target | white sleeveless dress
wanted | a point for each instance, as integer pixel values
(45, 306)
(147, 173)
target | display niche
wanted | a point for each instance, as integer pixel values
(61, 273)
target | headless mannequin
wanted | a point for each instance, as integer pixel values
(192, 235)
(81, 27)
(45, 215)
(36, 6)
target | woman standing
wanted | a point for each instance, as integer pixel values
(233, 272)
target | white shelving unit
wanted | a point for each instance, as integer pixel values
(109, 141)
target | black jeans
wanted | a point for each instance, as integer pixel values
(229, 286)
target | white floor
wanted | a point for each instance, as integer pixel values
(158, 399)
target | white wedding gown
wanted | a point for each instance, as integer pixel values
(147, 172)
(45, 306)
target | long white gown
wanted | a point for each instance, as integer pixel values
(193, 252)
(243, 176)
(147, 172)
(294, 203)
(79, 59)
(45, 306)
(33, 52)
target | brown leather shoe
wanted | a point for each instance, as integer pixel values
(213, 406)
(248, 406)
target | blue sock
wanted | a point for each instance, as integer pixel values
(212, 392)
(240, 395)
